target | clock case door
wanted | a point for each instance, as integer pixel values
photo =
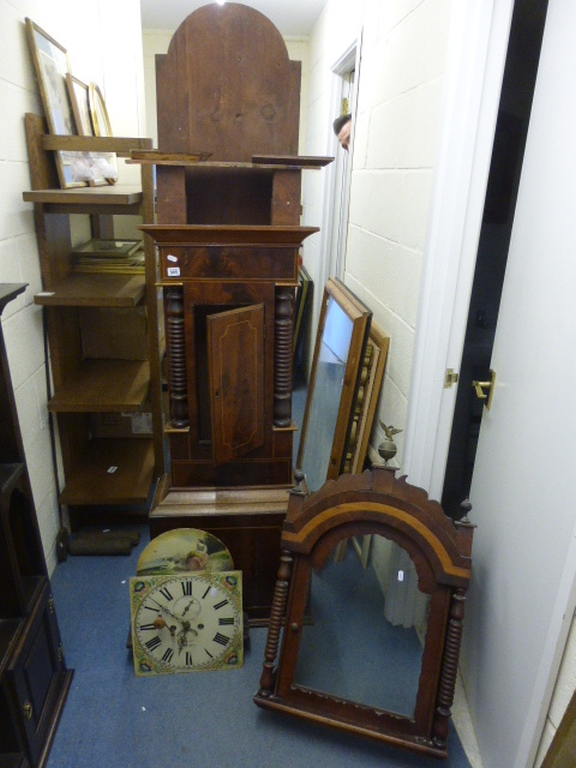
(228, 387)
(236, 378)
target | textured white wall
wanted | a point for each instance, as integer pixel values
(399, 99)
(103, 39)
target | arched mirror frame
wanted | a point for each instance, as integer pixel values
(372, 503)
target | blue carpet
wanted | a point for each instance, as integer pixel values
(114, 720)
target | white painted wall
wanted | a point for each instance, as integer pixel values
(103, 39)
(399, 105)
(395, 150)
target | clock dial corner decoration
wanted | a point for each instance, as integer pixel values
(186, 622)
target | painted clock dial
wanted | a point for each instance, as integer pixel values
(187, 623)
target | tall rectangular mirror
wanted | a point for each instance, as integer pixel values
(338, 355)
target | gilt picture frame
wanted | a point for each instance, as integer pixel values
(98, 112)
(371, 378)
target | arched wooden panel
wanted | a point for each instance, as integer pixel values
(226, 86)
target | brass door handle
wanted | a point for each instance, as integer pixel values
(480, 386)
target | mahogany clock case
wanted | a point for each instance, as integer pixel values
(227, 238)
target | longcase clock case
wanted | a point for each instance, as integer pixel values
(228, 239)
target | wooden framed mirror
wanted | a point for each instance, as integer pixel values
(338, 355)
(341, 662)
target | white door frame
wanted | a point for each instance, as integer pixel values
(475, 67)
(335, 205)
(477, 52)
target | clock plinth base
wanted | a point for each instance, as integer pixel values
(249, 523)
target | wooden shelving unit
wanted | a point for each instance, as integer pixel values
(121, 378)
(95, 291)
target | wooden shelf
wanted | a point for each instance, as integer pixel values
(200, 161)
(93, 482)
(102, 386)
(123, 146)
(254, 235)
(94, 290)
(116, 194)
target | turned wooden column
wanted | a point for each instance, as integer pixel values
(176, 358)
(449, 669)
(277, 613)
(283, 357)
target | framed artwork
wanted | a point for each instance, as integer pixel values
(104, 164)
(301, 304)
(338, 355)
(78, 93)
(106, 248)
(302, 317)
(371, 377)
(52, 67)
(98, 112)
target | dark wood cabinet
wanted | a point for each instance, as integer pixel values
(228, 239)
(34, 679)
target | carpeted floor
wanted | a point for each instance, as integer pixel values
(114, 720)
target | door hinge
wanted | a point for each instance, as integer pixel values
(450, 378)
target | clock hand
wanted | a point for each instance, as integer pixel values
(159, 623)
(187, 628)
(166, 610)
(190, 604)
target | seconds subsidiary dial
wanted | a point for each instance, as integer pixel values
(185, 623)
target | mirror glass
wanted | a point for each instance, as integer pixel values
(364, 637)
(325, 395)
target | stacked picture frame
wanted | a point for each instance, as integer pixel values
(72, 108)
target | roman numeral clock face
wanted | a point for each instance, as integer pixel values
(186, 623)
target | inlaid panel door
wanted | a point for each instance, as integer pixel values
(236, 375)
